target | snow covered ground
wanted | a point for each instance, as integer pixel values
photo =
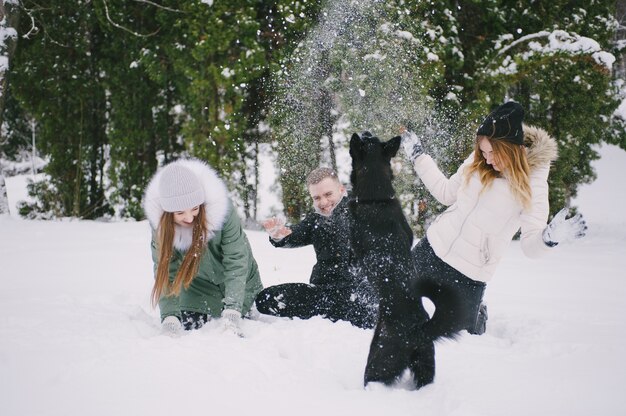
(78, 337)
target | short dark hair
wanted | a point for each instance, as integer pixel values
(319, 174)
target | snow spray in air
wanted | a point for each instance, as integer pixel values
(361, 68)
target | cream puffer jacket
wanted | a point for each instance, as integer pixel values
(479, 224)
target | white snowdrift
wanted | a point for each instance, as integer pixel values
(78, 337)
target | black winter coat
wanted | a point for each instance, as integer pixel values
(330, 237)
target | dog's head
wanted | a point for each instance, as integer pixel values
(371, 159)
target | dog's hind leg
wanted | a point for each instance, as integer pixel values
(422, 363)
(450, 309)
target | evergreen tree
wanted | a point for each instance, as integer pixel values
(618, 122)
(9, 20)
(559, 68)
(442, 74)
(60, 85)
(295, 111)
(498, 50)
(380, 65)
(118, 88)
(16, 137)
(9, 17)
(217, 60)
(143, 120)
(274, 28)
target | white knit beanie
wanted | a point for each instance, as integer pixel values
(179, 189)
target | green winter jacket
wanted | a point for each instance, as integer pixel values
(228, 276)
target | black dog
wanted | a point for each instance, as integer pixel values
(381, 244)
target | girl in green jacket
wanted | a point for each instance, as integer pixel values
(203, 264)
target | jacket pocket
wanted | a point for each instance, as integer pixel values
(485, 251)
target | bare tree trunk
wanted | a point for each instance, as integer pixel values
(4, 201)
(331, 149)
(255, 189)
(9, 19)
(326, 118)
(620, 15)
(79, 162)
(245, 189)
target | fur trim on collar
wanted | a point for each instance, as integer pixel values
(542, 149)
(216, 201)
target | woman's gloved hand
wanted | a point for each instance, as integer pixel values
(231, 321)
(171, 326)
(563, 229)
(412, 145)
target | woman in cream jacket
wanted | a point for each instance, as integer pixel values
(499, 189)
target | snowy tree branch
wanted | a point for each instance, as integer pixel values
(106, 9)
(33, 26)
(524, 39)
(159, 6)
(34, 29)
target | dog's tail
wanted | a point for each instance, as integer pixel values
(446, 321)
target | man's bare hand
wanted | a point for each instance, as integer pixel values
(276, 228)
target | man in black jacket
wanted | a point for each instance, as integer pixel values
(334, 292)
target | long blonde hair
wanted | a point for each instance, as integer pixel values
(191, 262)
(514, 167)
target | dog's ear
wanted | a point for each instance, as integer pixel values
(355, 144)
(390, 147)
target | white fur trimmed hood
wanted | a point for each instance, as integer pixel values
(541, 148)
(216, 201)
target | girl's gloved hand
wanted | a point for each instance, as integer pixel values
(563, 229)
(231, 321)
(412, 145)
(171, 326)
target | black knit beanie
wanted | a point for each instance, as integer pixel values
(504, 123)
